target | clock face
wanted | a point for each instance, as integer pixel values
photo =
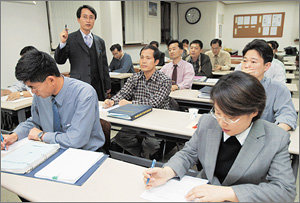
(193, 15)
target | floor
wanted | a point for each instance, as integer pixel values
(7, 196)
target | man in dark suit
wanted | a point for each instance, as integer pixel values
(86, 53)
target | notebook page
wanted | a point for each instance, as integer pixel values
(173, 190)
(70, 165)
(15, 145)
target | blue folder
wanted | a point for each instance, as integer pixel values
(79, 182)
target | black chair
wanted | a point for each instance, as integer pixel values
(106, 127)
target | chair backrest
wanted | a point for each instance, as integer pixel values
(106, 127)
(173, 104)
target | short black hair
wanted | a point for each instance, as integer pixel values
(239, 93)
(274, 44)
(154, 42)
(262, 47)
(26, 49)
(115, 46)
(36, 66)
(180, 45)
(197, 41)
(155, 53)
(215, 41)
(185, 41)
(78, 13)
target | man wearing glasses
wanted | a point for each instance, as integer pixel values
(86, 53)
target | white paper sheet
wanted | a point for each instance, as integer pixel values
(273, 31)
(70, 165)
(276, 20)
(15, 145)
(265, 31)
(253, 20)
(266, 20)
(110, 108)
(246, 20)
(4, 98)
(173, 190)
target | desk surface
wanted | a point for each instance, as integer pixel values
(113, 181)
(294, 145)
(189, 95)
(288, 68)
(120, 75)
(292, 87)
(167, 121)
(289, 63)
(15, 106)
(290, 76)
(296, 103)
(225, 72)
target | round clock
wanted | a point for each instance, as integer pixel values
(192, 15)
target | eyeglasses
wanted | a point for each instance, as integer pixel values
(226, 120)
(86, 17)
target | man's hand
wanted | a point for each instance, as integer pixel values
(34, 134)
(217, 68)
(174, 87)
(5, 92)
(124, 102)
(108, 103)
(8, 140)
(64, 35)
(13, 96)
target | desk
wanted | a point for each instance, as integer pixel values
(114, 180)
(290, 68)
(292, 87)
(289, 63)
(296, 104)
(221, 73)
(120, 76)
(294, 149)
(18, 107)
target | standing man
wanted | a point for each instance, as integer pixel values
(181, 72)
(121, 62)
(200, 61)
(64, 110)
(220, 59)
(147, 87)
(86, 53)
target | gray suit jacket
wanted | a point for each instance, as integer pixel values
(78, 54)
(262, 170)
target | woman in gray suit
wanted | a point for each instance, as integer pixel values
(243, 157)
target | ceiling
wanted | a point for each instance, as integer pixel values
(225, 2)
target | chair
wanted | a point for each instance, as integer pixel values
(106, 127)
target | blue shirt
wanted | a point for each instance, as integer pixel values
(279, 106)
(78, 109)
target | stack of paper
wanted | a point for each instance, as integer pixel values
(173, 190)
(27, 157)
(70, 165)
(212, 80)
(199, 78)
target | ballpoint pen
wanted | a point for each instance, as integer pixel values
(2, 141)
(152, 166)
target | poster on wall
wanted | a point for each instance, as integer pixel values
(152, 9)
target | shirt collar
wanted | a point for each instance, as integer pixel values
(218, 55)
(60, 96)
(153, 76)
(178, 64)
(83, 35)
(240, 137)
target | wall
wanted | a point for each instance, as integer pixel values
(290, 29)
(28, 27)
(205, 29)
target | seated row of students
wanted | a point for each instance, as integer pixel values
(239, 101)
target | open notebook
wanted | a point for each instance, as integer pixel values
(70, 165)
(27, 157)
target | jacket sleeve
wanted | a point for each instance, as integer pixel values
(106, 77)
(61, 55)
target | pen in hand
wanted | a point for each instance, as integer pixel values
(152, 166)
(2, 140)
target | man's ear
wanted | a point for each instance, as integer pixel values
(267, 66)
(156, 62)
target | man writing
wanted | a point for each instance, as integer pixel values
(64, 110)
(121, 62)
(86, 53)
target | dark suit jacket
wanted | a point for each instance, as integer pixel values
(78, 54)
(262, 170)
(205, 65)
(161, 59)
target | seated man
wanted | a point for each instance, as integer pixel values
(121, 62)
(64, 110)
(181, 72)
(186, 51)
(257, 57)
(147, 87)
(200, 61)
(277, 70)
(220, 59)
(19, 89)
(161, 54)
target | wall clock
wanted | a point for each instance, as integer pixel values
(192, 15)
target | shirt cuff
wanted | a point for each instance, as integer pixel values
(49, 137)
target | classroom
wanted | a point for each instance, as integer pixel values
(177, 115)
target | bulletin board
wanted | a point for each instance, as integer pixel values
(258, 25)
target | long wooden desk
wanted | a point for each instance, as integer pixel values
(18, 107)
(120, 76)
(113, 181)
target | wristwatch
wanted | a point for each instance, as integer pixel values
(21, 94)
(40, 135)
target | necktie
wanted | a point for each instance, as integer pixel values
(174, 75)
(56, 118)
(216, 60)
(88, 41)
